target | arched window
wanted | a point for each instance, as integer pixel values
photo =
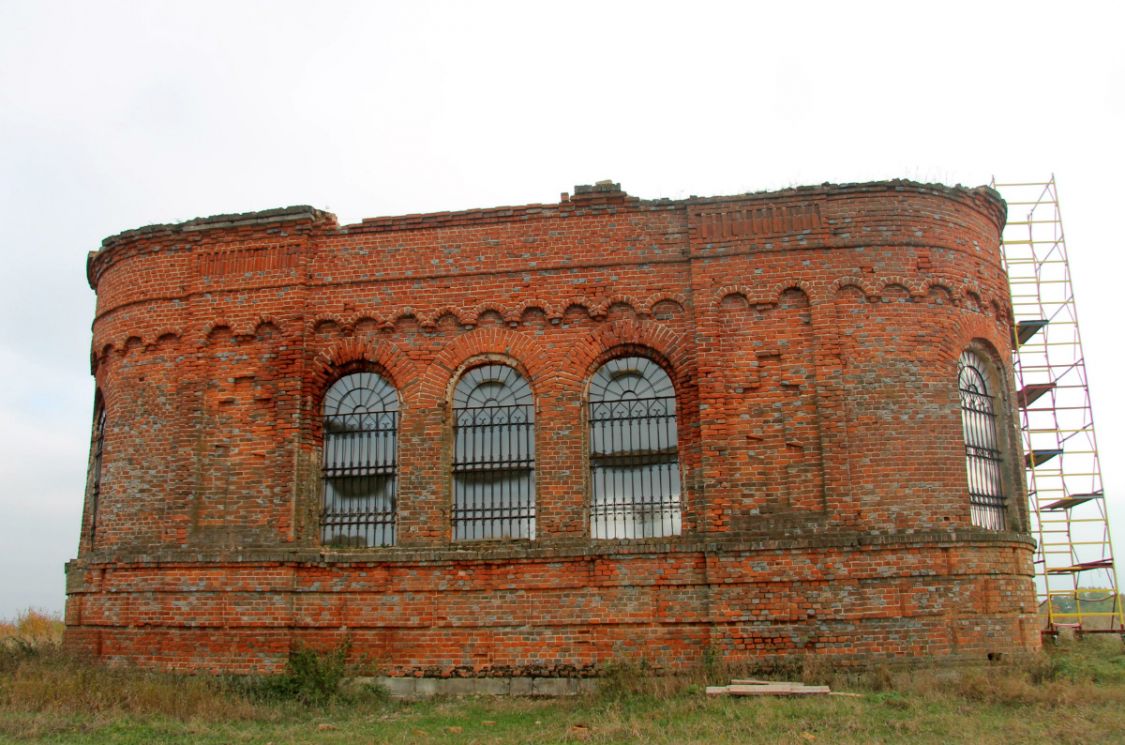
(493, 455)
(982, 451)
(360, 461)
(97, 447)
(634, 458)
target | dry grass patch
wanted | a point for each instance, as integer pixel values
(1074, 693)
(44, 690)
(1069, 674)
(53, 682)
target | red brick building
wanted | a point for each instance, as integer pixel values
(535, 440)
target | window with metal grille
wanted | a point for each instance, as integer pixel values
(634, 457)
(982, 452)
(98, 447)
(360, 461)
(493, 455)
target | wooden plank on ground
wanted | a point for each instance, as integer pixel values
(769, 689)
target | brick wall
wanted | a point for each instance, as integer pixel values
(812, 336)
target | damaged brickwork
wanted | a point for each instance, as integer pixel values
(812, 337)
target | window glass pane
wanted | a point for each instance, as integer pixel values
(634, 459)
(982, 453)
(360, 461)
(493, 455)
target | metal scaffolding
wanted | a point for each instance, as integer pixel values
(1075, 577)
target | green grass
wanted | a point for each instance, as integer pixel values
(1074, 693)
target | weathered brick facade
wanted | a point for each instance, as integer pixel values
(812, 336)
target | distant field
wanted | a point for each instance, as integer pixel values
(1073, 693)
(1100, 609)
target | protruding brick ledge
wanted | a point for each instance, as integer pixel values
(551, 550)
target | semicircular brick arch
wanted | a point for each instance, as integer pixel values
(214, 330)
(793, 294)
(528, 308)
(315, 324)
(780, 288)
(636, 306)
(265, 323)
(576, 302)
(649, 304)
(972, 298)
(549, 309)
(943, 280)
(100, 356)
(405, 313)
(962, 291)
(353, 350)
(459, 317)
(896, 292)
(939, 294)
(473, 315)
(368, 323)
(913, 287)
(674, 347)
(721, 294)
(480, 342)
(165, 338)
(133, 344)
(967, 328)
(867, 288)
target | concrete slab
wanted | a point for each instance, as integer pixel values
(413, 688)
(397, 687)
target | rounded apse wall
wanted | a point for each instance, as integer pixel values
(799, 484)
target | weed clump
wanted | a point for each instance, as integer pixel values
(33, 627)
(31, 634)
(311, 678)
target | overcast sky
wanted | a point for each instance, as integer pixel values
(117, 115)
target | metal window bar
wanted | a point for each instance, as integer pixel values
(96, 473)
(982, 456)
(494, 472)
(360, 479)
(634, 468)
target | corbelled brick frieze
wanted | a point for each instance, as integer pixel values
(795, 480)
